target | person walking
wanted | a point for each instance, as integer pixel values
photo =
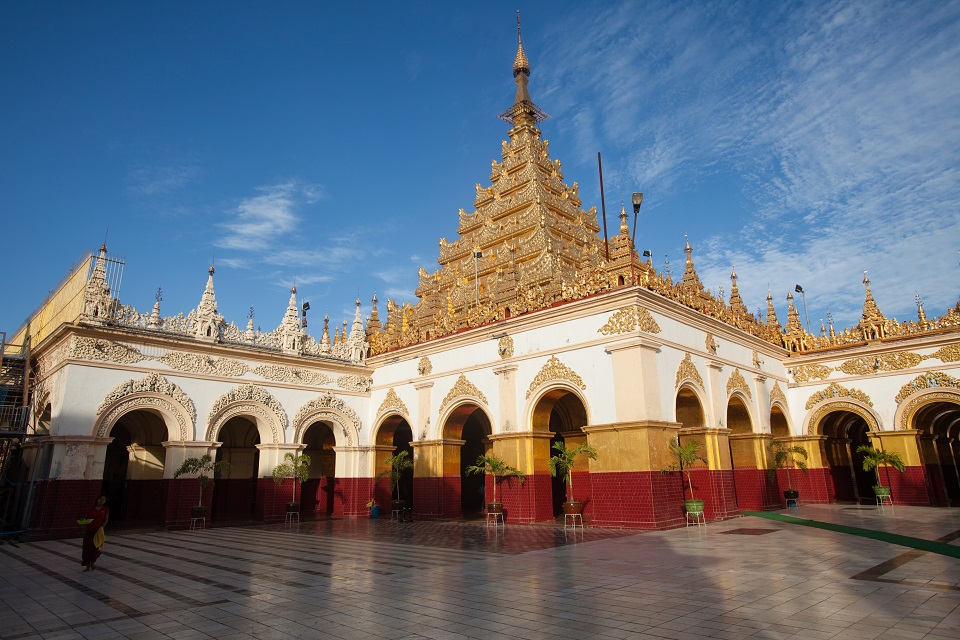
(93, 535)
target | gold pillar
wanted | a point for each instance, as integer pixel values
(527, 451)
(813, 445)
(903, 442)
(643, 445)
(716, 446)
(435, 458)
(751, 450)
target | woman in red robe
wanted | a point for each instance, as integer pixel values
(98, 515)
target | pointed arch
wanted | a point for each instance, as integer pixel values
(253, 401)
(818, 412)
(689, 405)
(328, 408)
(553, 390)
(153, 393)
(922, 391)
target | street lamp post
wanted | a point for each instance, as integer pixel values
(637, 201)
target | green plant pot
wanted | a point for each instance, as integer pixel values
(693, 506)
(882, 491)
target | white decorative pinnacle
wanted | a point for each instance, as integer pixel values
(208, 322)
(289, 331)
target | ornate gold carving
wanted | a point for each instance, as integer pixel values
(326, 408)
(104, 350)
(928, 380)
(463, 388)
(911, 406)
(711, 344)
(757, 361)
(505, 347)
(885, 362)
(688, 371)
(837, 391)
(195, 363)
(630, 319)
(250, 399)
(737, 381)
(777, 395)
(555, 370)
(806, 372)
(355, 383)
(392, 403)
(840, 405)
(949, 353)
(424, 367)
(290, 374)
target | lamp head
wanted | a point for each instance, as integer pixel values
(637, 201)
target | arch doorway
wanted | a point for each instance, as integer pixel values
(235, 494)
(467, 423)
(743, 460)
(318, 491)
(563, 414)
(845, 432)
(939, 425)
(133, 468)
(395, 433)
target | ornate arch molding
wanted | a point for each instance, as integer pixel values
(463, 389)
(737, 382)
(687, 372)
(154, 392)
(853, 405)
(392, 405)
(923, 390)
(328, 408)
(557, 385)
(247, 399)
(554, 371)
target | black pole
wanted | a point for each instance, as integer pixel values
(603, 208)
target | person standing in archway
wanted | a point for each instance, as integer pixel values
(93, 535)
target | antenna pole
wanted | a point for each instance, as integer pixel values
(603, 208)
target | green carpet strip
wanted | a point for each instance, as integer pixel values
(883, 536)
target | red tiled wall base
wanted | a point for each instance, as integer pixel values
(815, 486)
(350, 496)
(317, 499)
(272, 499)
(436, 498)
(57, 504)
(756, 489)
(715, 488)
(524, 503)
(181, 496)
(636, 500)
(145, 502)
(909, 487)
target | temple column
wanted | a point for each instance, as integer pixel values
(751, 460)
(272, 500)
(909, 487)
(436, 478)
(713, 482)
(184, 493)
(529, 451)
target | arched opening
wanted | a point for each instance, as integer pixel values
(689, 409)
(845, 432)
(318, 490)
(741, 449)
(564, 415)
(939, 424)
(468, 423)
(779, 427)
(235, 494)
(395, 432)
(133, 467)
(43, 422)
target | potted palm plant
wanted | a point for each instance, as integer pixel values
(205, 469)
(499, 469)
(782, 454)
(561, 464)
(296, 466)
(873, 459)
(687, 455)
(398, 464)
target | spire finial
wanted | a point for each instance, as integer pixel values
(519, 36)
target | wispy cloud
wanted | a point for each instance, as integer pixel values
(840, 122)
(258, 221)
(161, 179)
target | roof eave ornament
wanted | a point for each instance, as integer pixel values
(523, 111)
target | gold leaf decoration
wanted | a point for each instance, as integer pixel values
(737, 381)
(776, 394)
(424, 367)
(555, 370)
(392, 403)
(710, 343)
(949, 353)
(630, 319)
(806, 372)
(928, 380)
(886, 362)
(463, 388)
(104, 350)
(505, 347)
(837, 391)
(688, 371)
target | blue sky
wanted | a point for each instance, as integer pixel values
(333, 143)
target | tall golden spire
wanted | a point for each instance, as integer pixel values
(523, 112)
(690, 276)
(736, 302)
(872, 322)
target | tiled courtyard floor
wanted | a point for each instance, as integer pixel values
(743, 578)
